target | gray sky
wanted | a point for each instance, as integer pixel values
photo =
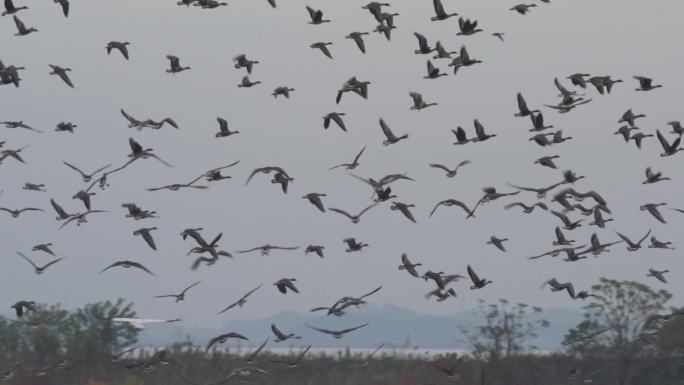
(617, 37)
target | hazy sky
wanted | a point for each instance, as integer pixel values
(618, 37)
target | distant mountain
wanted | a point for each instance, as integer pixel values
(397, 326)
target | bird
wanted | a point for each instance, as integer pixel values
(21, 307)
(315, 199)
(656, 244)
(478, 283)
(265, 249)
(335, 117)
(139, 323)
(86, 177)
(64, 4)
(286, 284)
(629, 117)
(62, 73)
(408, 266)
(450, 173)
(280, 336)
(354, 218)
(669, 148)
(224, 131)
(418, 102)
(145, 233)
(180, 296)
(21, 28)
(315, 249)
(44, 247)
(499, 35)
(404, 209)
(461, 137)
(423, 46)
(497, 242)
(266, 170)
(567, 223)
(242, 301)
(39, 269)
(174, 65)
(652, 209)
(316, 16)
(632, 246)
(223, 338)
(481, 136)
(295, 363)
(354, 245)
(452, 202)
(282, 90)
(128, 264)
(337, 333)
(522, 107)
(442, 53)
(440, 14)
(442, 295)
(653, 177)
(390, 138)
(522, 8)
(323, 46)
(658, 274)
(677, 128)
(467, 27)
(358, 39)
(527, 209)
(251, 359)
(433, 72)
(241, 61)
(246, 83)
(10, 8)
(34, 187)
(646, 84)
(120, 46)
(19, 124)
(16, 213)
(558, 286)
(353, 165)
(538, 122)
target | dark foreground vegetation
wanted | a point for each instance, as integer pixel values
(628, 336)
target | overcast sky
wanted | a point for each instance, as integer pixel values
(617, 37)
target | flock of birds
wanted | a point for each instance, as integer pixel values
(572, 205)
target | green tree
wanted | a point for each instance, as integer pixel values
(616, 316)
(506, 330)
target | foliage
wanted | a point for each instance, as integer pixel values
(506, 329)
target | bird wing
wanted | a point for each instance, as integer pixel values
(345, 331)
(52, 263)
(439, 8)
(473, 276)
(27, 259)
(440, 166)
(386, 130)
(642, 239)
(367, 208)
(663, 141)
(277, 332)
(356, 159)
(422, 41)
(148, 238)
(63, 75)
(60, 211)
(20, 25)
(339, 211)
(140, 266)
(371, 293)
(522, 105)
